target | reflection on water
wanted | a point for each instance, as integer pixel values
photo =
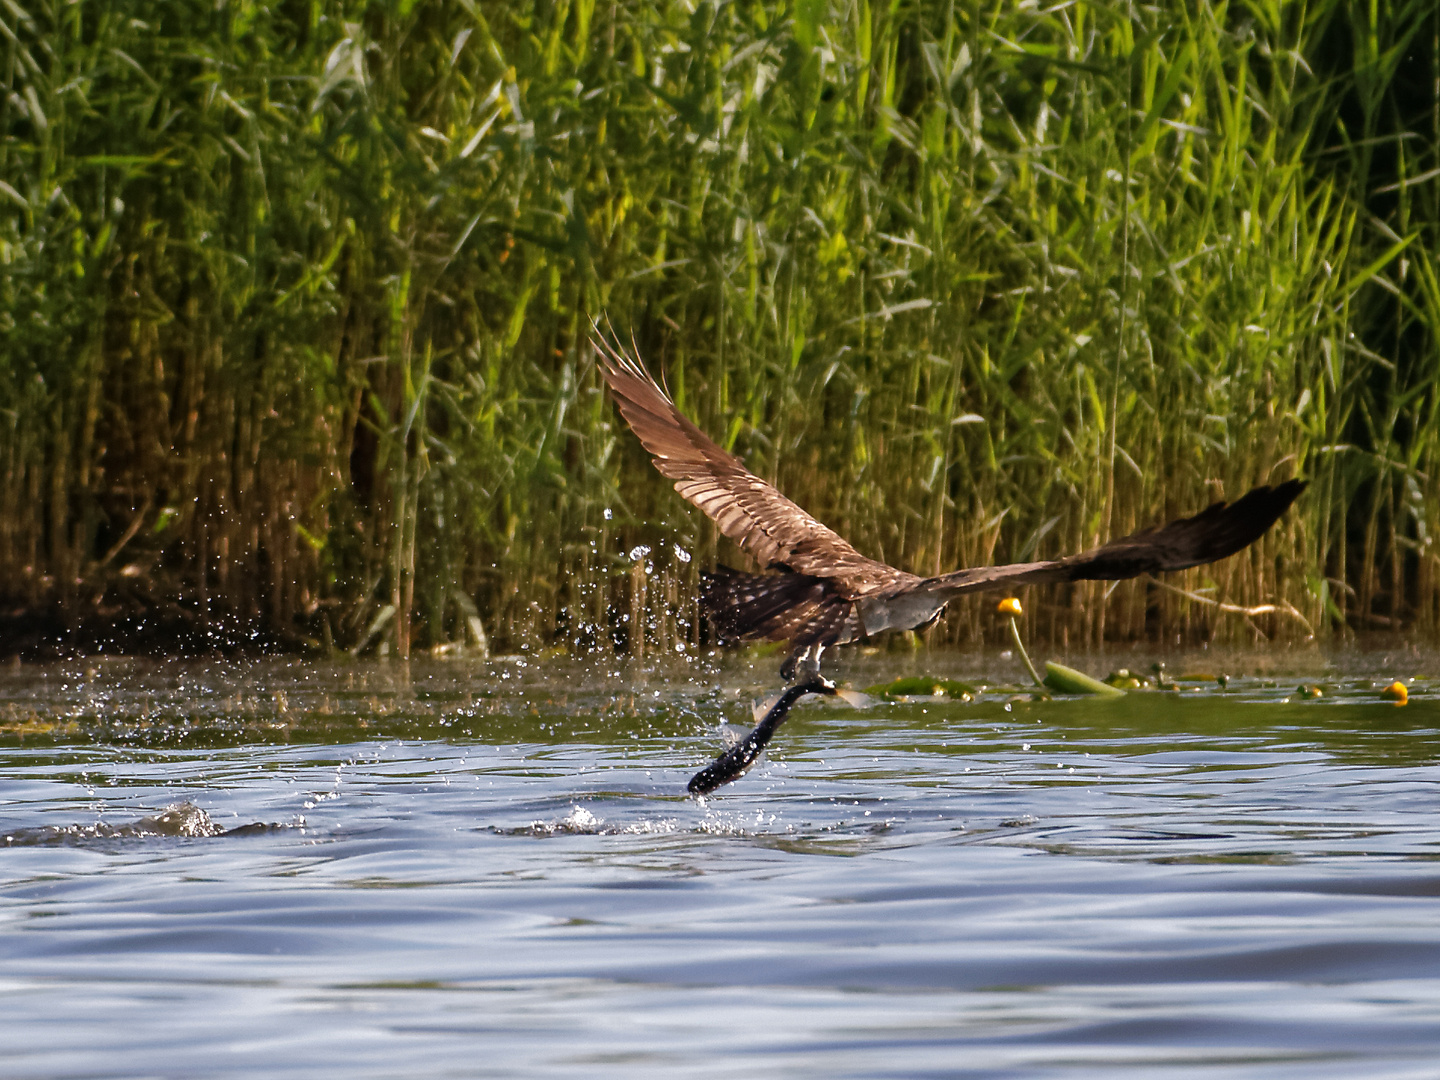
(291, 869)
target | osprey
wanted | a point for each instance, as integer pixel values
(823, 592)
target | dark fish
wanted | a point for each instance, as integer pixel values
(738, 759)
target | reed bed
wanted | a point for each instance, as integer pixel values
(297, 300)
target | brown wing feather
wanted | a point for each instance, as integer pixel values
(776, 607)
(751, 512)
(1218, 531)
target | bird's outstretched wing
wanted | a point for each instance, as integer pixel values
(1220, 530)
(751, 512)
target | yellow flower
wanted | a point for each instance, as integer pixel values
(1396, 692)
(1009, 606)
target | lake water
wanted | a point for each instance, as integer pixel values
(476, 869)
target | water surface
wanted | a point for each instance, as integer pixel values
(289, 869)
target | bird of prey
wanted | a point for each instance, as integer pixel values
(823, 592)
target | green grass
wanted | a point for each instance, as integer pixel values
(296, 303)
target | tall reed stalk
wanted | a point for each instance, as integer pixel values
(296, 304)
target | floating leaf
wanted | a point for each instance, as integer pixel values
(921, 686)
(1066, 680)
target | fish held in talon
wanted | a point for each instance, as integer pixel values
(736, 761)
(820, 591)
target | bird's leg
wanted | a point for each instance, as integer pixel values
(804, 667)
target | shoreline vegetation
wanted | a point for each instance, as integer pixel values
(296, 302)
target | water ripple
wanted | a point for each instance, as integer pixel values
(286, 871)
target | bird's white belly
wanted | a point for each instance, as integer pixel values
(904, 612)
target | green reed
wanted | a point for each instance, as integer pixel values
(297, 301)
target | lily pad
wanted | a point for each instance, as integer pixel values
(921, 686)
(1066, 680)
